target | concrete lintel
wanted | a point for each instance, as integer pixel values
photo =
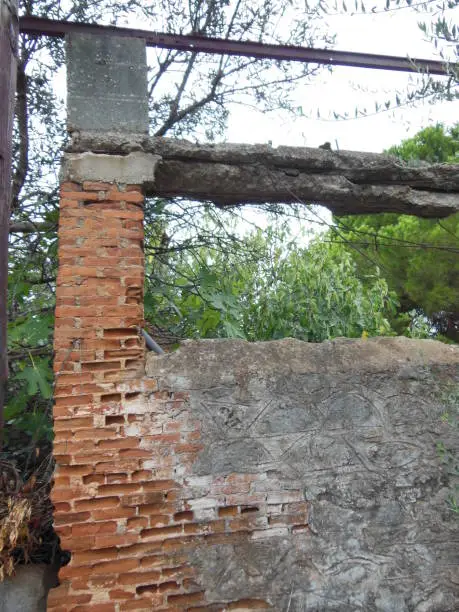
(137, 168)
(229, 174)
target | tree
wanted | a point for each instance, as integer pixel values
(189, 96)
(267, 289)
(418, 257)
(443, 32)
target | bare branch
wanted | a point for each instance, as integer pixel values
(28, 227)
(22, 116)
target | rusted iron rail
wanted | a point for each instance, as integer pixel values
(8, 53)
(46, 27)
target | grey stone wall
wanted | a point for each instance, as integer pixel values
(27, 590)
(350, 428)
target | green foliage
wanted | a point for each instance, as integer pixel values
(435, 144)
(313, 294)
(269, 289)
(418, 257)
(36, 376)
(31, 318)
(28, 409)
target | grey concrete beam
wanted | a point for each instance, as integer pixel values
(346, 182)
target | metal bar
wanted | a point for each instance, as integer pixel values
(39, 26)
(8, 54)
(151, 344)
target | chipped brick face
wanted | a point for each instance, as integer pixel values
(99, 366)
(127, 505)
(186, 490)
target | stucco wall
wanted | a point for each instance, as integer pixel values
(314, 483)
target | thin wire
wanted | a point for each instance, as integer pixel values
(398, 246)
(329, 225)
(448, 231)
(333, 228)
(406, 243)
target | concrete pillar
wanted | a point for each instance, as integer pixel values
(106, 85)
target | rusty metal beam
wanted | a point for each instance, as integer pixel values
(8, 53)
(46, 27)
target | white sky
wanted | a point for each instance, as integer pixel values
(344, 89)
(392, 33)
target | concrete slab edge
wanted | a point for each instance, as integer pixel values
(136, 168)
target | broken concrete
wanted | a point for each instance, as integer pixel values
(27, 590)
(347, 182)
(112, 72)
(133, 169)
(349, 426)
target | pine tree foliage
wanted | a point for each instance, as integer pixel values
(418, 257)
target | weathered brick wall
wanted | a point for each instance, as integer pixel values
(237, 476)
(99, 363)
(127, 505)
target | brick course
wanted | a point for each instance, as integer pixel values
(127, 504)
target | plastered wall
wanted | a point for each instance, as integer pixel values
(314, 482)
(236, 476)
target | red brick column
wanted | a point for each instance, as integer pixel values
(115, 494)
(99, 364)
(127, 504)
